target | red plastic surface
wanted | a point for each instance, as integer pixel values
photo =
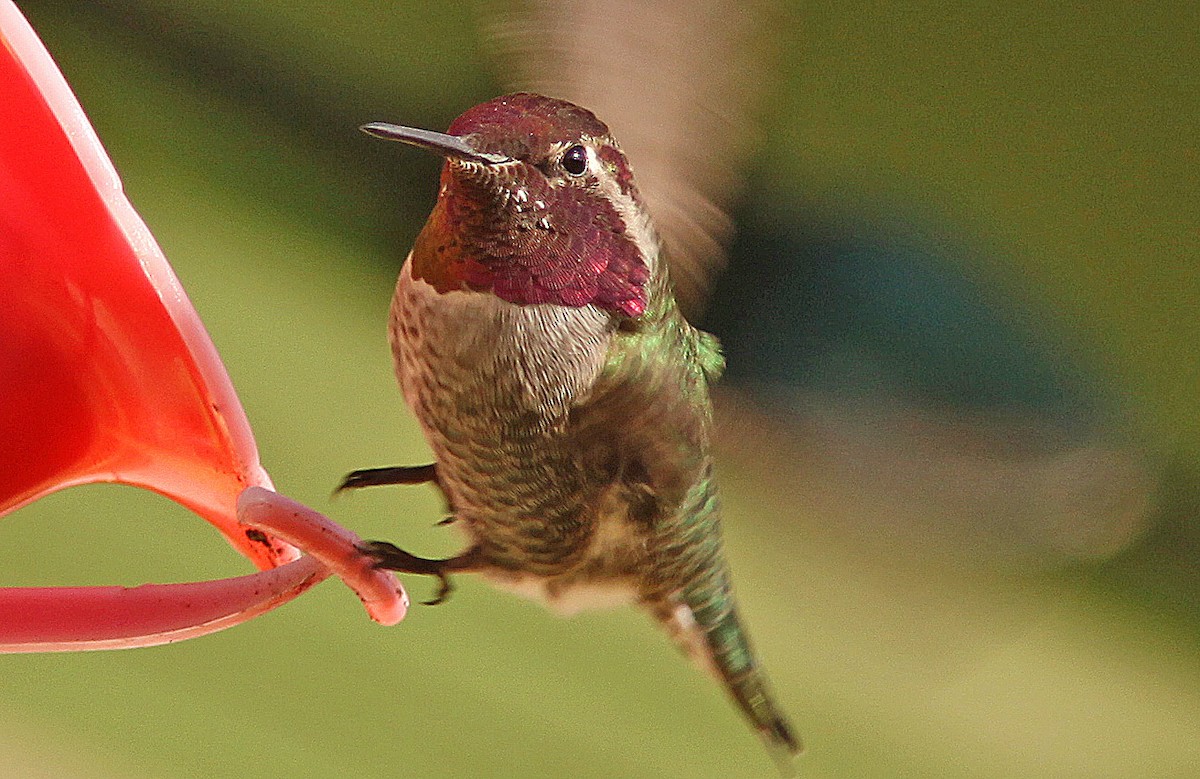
(107, 374)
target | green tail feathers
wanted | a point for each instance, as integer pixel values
(709, 631)
(734, 662)
(751, 693)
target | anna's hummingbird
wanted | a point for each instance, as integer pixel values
(536, 337)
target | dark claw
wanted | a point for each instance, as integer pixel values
(444, 590)
(392, 558)
(396, 474)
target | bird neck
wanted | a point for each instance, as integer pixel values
(528, 244)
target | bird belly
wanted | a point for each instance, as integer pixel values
(606, 575)
(493, 384)
(566, 598)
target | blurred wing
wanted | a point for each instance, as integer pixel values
(678, 84)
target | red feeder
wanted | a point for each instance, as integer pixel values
(107, 374)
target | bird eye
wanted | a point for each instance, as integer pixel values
(575, 160)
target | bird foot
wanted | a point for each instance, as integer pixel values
(390, 557)
(396, 474)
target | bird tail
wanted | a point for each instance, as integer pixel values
(710, 632)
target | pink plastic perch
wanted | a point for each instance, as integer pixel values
(107, 374)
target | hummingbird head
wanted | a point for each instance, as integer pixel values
(537, 205)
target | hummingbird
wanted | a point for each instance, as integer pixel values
(536, 337)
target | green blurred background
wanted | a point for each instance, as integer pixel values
(959, 438)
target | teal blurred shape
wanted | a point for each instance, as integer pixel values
(867, 302)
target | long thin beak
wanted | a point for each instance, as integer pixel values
(439, 143)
